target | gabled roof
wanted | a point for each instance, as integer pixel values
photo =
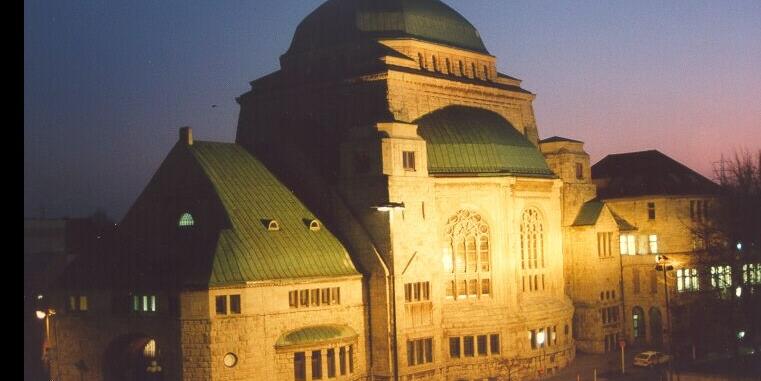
(647, 173)
(248, 251)
(473, 141)
(590, 212)
(232, 196)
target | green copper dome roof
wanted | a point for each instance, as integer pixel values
(474, 141)
(337, 22)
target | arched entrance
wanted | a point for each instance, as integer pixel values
(656, 326)
(131, 358)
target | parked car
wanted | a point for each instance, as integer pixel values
(651, 358)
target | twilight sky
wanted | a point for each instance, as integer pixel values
(108, 83)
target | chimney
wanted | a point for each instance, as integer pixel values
(186, 135)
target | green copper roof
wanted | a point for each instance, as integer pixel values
(338, 22)
(590, 213)
(315, 335)
(251, 196)
(467, 140)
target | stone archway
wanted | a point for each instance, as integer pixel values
(656, 326)
(129, 357)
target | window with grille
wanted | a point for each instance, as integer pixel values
(532, 251)
(467, 257)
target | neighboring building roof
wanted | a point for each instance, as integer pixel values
(248, 251)
(339, 22)
(315, 335)
(559, 139)
(467, 140)
(590, 212)
(647, 173)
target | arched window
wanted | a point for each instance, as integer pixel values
(462, 69)
(421, 60)
(467, 256)
(186, 220)
(532, 250)
(473, 70)
(435, 64)
(449, 66)
(638, 323)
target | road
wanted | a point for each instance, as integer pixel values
(608, 367)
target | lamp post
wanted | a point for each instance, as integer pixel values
(46, 314)
(664, 264)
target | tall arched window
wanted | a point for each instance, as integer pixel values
(467, 256)
(421, 59)
(186, 220)
(532, 250)
(638, 323)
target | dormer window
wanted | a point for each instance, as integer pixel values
(186, 220)
(272, 225)
(314, 225)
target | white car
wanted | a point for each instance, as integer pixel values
(651, 358)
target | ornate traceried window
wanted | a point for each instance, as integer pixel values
(467, 256)
(532, 250)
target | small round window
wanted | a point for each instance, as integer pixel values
(230, 360)
(186, 220)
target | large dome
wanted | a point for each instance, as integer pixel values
(338, 22)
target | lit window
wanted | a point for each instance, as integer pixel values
(687, 280)
(752, 273)
(628, 244)
(149, 350)
(652, 240)
(721, 277)
(638, 323)
(314, 225)
(408, 160)
(77, 303)
(144, 303)
(186, 220)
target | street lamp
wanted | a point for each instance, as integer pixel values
(390, 207)
(46, 314)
